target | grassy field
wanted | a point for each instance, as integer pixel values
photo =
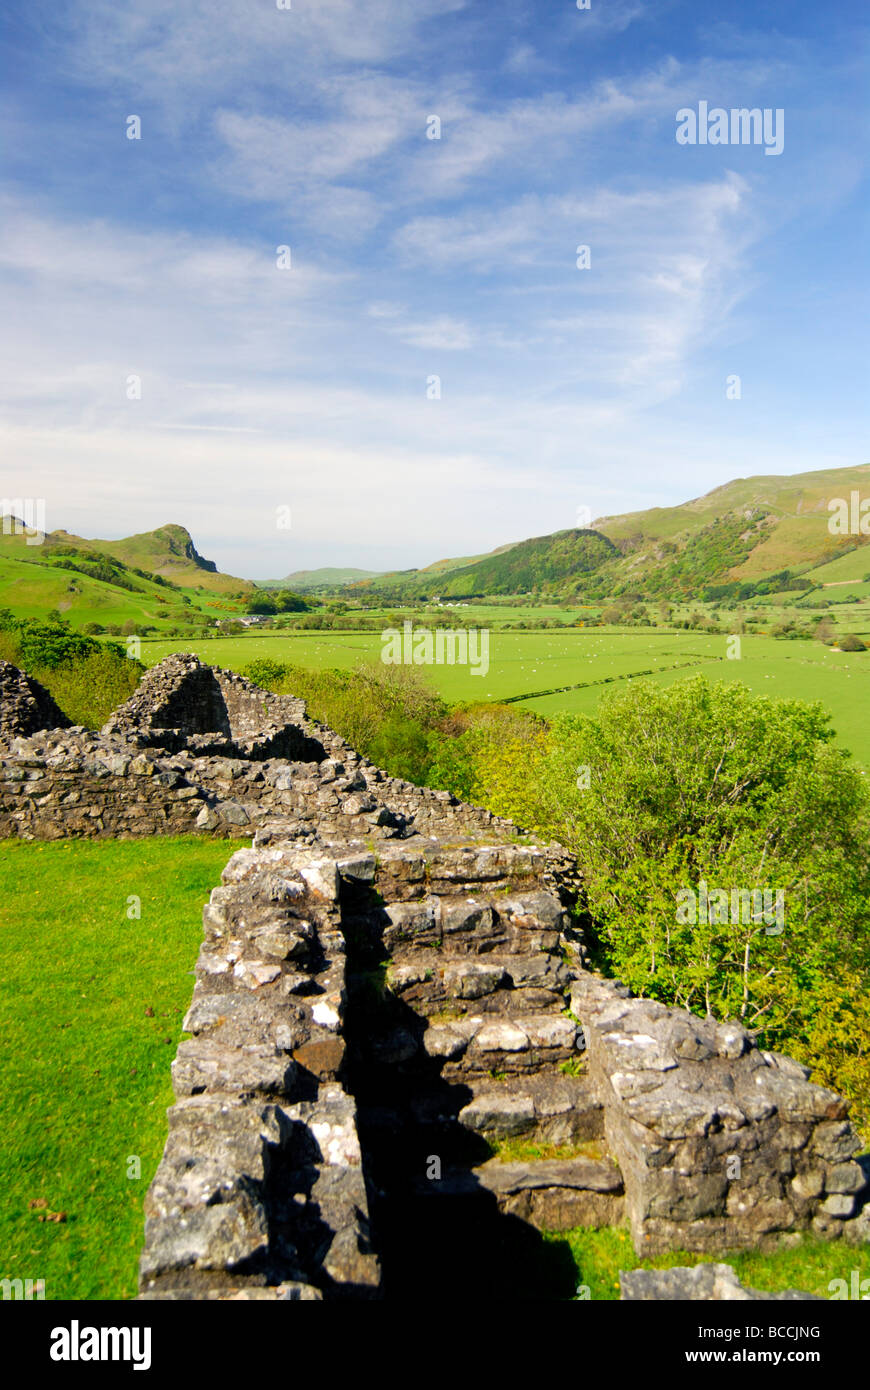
(582, 664)
(599, 1255)
(782, 670)
(854, 565)
(91, 1012)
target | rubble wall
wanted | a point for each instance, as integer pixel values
(489, 1024)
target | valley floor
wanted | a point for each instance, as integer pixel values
(568, 671)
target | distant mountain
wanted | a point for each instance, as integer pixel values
(748, 530)
(168, 552)
(301, 580)
(397, 582)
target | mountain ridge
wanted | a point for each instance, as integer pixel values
(168, 552)
(745, 530)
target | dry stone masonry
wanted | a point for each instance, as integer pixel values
(722, 1145)
(25, 706)
(399, 1065)
(260, 1191)
(234, 758)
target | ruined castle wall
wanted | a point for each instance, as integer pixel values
(710, 1142)
(25, 705)
(721, 1145)
(60, 783)
(260, 1191)
(202, 751)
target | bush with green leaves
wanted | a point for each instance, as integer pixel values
(90, 688)
(388, 713)
(86, 678)
(668, 790)
(46, 643)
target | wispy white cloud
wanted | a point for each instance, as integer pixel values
(190, 51)
(410, 258)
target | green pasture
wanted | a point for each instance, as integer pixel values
(780, 669)
(520, 663)
(90, 1015)
(854, 565)
(848, 589)
(523, 665)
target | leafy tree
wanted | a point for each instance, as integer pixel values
(288, 602)
(709, 785)
(277, 601)
(260, 604)
(50, 642)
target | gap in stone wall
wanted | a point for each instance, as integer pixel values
(440, 1232)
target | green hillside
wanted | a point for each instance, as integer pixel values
(746, 532)
(32, 590)
(545, 564)
(168, 552)
(445, 566)
(99, 582)
(853, 566)
(398, 582)
(530, 565)
(301, 581)
(790, 513)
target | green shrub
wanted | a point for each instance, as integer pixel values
(90, 688)
(709, 784)
(388, 713)
(47, 643)
(86, 678)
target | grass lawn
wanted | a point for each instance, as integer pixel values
(598, 1257)
(90, 1016)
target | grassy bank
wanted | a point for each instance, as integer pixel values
(90, 1013)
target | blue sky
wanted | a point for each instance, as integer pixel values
(561, 388)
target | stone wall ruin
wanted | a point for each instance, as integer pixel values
(391, 1001)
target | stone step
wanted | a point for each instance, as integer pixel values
(495, 982)
(481, 1043)
(552, 1107)
(471, 923)
(550, 1194)
(403, 869)
(548, 1107)
(557, 1194)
